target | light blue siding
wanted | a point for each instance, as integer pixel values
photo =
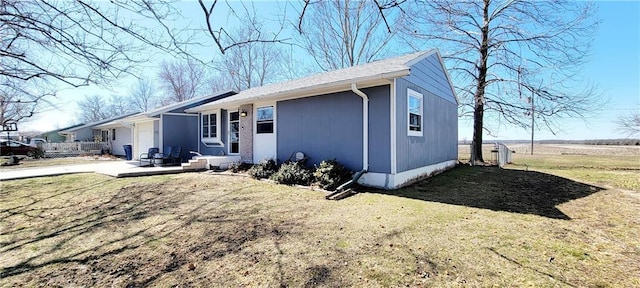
(440, 130)
(429, 74)
(330, 126)
(181, 131)
(379, 129)
(323, 127)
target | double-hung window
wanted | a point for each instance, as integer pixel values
(415, 109)
(264, 120)
(209, 131)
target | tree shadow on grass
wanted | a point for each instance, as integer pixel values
(137, 249)
(518, 191)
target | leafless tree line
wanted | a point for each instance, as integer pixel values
(510, 60)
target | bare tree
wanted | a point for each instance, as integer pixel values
(95, 108)
(142, 95)
(250, 64)
(511, 58)
(629, 124)
(340, 34)
(225, 41)
(77, 43)
(18, 104)
(180, 81)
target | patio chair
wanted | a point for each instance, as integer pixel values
(170, 156)
(176, 155)
(149, 156)
(161, 158)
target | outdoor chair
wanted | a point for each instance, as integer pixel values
(149, 156)
(170, 156)
(176, 156)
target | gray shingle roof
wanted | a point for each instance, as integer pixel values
(375, 70)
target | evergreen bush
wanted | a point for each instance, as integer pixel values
(331, 174)
(293, 173)
(264, 169)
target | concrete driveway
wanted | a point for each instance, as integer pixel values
(111, 168)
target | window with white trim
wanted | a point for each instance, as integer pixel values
(210, 128)
(264, 120)
(415, 109)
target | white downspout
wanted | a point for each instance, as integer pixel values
(365, 126)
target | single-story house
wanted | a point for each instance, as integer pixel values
(54, 136)
(395, 118)
(88, 132)
(165, 126)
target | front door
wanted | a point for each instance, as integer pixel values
(264, 137)
(234, 133)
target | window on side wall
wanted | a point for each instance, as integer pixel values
(113, 134)
(415, 109)
(264, 120)
(209, 130)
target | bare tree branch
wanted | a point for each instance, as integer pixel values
(352, 32)
(506, 53)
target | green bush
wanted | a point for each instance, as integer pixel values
(264, 169)
(331, 174)
(293, 173)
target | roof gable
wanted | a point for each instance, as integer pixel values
(377, 70)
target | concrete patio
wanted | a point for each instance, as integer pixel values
(116, 169)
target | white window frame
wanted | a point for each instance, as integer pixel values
(258, 121)
(210, 141)
(415, 94)
(229, 131)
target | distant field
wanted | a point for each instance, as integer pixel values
(615, 166)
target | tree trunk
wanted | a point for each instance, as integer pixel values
(478, 113)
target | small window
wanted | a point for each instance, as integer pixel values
(414, 109)
(113, 134)
(209, 126)
(264, 120)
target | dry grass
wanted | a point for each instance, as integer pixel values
(607, 166)
(470, 227)
(46, 162)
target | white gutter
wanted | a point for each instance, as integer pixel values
(365, 126)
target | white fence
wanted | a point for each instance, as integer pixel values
(73, 149)
(500, 154)
(504, 154)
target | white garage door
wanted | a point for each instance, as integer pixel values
(145, 137)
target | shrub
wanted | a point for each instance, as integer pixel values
(293, 173)
(234, 167)
(331, 174)
(37, 153)
(264, 169)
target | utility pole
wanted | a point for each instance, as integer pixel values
(532, 120)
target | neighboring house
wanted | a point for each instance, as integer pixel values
(91, 133)
(54, 136)
(116, 134)
(165, 126)
(396, 118)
